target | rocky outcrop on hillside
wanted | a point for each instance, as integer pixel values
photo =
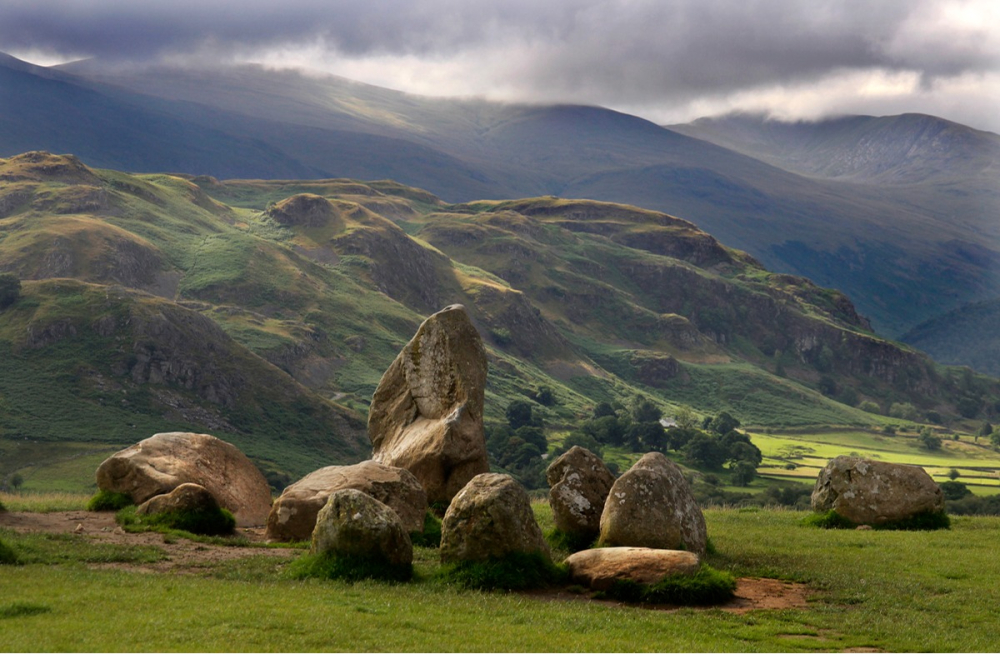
(427, 412)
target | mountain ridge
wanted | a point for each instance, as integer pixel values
(902, 254)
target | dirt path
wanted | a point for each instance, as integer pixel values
(188, 557)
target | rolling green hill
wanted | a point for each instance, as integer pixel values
(266, 311)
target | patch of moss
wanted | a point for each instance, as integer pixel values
(105, 500)
(348, 568)
(707, 586)
(206, 522)
(926, 521)
(516, 571)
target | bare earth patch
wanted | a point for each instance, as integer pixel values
(183, 556)
(187, 557)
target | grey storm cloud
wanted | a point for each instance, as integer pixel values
(629, 50)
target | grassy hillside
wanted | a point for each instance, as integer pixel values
(966, 336)
(903, 254)
(266, 312)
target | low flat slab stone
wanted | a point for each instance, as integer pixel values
(600, 568)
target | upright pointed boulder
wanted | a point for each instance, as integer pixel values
(427, 412)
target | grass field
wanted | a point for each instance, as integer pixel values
(978, 464)
(889, 591)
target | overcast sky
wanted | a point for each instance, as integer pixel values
(666, 60)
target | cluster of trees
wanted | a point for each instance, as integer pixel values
(518, 444)
(710, 444)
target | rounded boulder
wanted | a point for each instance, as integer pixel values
(651, 505)
(580, 483)
(354, 524)
(162, 462)
(490, 518)
(293, 515)
(874, 492)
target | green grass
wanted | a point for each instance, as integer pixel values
(927, 521)
(894, 591)
(707, 586)
(348, 568)
(44, 502)
(516, 571)
(200, 522)
(105, 500)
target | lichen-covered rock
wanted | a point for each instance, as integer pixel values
(427, 412)
(490, 518)
(874, 492)
(293, 515)
(164, 461)
(601, 568)
(651, 505)
(580, 483)
(184, 498)
(355, 524)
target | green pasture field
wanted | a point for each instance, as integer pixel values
(887, 591)
(978, 465)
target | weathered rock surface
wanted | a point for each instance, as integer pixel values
(355, 524)
(580, 483)
(427, 412)
(874, 492)
(490, 518)
(293, 515)
(164, 461)
(186, 497)
(601, 568)
(651, 505)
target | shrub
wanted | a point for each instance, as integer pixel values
(926, 521)
(348, 568)
(7, 554)
(431, 534)
(516, 571)
(205, 522)
(105, 500)
(954, 490)
(707, 586)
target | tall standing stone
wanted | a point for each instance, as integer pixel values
(651, 505)
(427, 412)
